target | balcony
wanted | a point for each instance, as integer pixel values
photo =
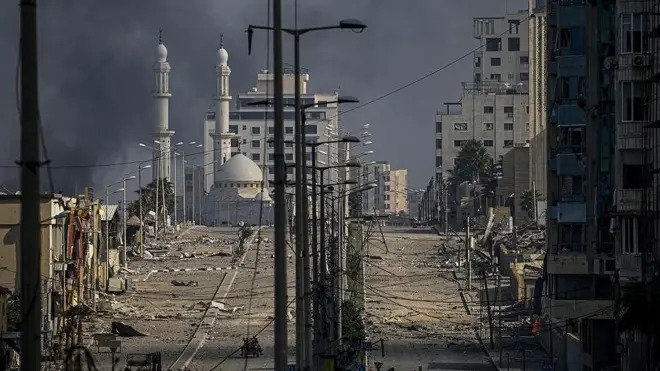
(569, 212)
(629, 265)
(573, 261)
(629, 200)
(630, 135)
(570, 164)
(571, 115)
(569, 64)
(592, 309)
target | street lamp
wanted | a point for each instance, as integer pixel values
(303, 352)
(158, 175)
(302, 208)
(139, 171)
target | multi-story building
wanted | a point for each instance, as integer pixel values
(195, 193)
(493, 108)
(253, 125)
(581, 176)
(396, 191)
(415, 197)
(538, 108)
(390, 195)
(636, 157)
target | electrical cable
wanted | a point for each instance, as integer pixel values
(253, 337)
(264, 180)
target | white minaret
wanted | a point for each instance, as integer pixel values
(162, 134)
(222, 136)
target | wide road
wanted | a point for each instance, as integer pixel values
(413, 303)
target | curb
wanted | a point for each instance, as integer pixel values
(206, 269)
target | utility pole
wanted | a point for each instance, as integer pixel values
(281, 354)
(488, 308)
(468, 264)
(446, 206)
(30, 231)
(499, 314)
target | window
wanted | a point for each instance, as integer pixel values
(271, 157)
(508, 109)
(256, 156)
(524, 59)
(493, 44)
(511, 76)
(387, 188)
(244, 127)
(256, 144)
(488, 126)
(508, 126)
(489, 109)
(458, 143)
(571, 41)
(387, 206)
(495, 61)
(244, 141)
(256, 130)
(271, 144)
(496, 77)
(477, 61)
(310, 129)
(321, 103)
(438, 143)
(387, 197)
(632, 103)
(488, 143)
(288, 130)
(289, 171)
(288, 157)
(438, 161)
(233, 129)
(514, 44)
(524, 76)
(508, 143)
(438, 127)
(477, 77)
(514, 26)
(288, 144)
(235, 142)
(633, 37)
(271, 130)
(461, 126)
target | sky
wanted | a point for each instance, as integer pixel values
(96, 58)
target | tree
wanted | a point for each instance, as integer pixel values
(355, 204)
(527, 201)
(472, 164)
(149, 199)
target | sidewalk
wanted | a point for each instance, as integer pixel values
(519, 349)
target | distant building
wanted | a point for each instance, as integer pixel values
(493, 108)
(390, 196)
(415, 197)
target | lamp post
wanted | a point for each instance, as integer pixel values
(139, 171)
(303, 282)
(125, 215)
(176, 180)
(304, 357)
(323, 264)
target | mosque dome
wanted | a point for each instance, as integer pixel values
(263, 195)
(161, 53)
(223, 57)
(240, 169)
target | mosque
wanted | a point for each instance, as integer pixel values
(238, 193)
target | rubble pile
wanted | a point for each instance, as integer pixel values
(527, 240)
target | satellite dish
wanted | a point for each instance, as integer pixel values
(610, 63)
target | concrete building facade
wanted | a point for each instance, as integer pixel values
(494, 107)
(636, 159)
(396, 192)
(581, 178)
(390, 196)
(538, 107)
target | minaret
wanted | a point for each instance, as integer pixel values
(222, 136)
(162, 95)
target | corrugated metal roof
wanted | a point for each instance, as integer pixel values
(109, 210)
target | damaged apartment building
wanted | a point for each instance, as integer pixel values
(494, 110)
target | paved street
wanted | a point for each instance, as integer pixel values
(414, 304)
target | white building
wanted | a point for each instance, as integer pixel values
(494, 107)
(390, 196)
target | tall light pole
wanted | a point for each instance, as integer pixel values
(176, 180)
(125, 215)
(303, 355)
(140, 168)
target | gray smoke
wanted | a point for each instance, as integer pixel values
(96, 59)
